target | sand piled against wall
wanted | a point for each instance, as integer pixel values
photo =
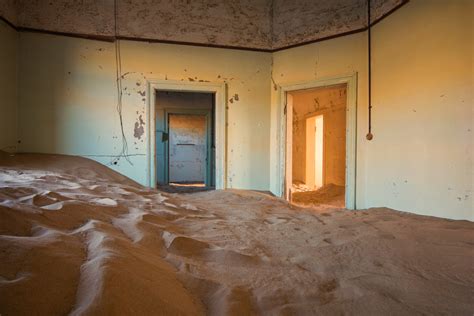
(76, 237)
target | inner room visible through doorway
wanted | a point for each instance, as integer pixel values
(319, 146)
(185, 147)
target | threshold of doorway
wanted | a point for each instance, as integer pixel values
(184, 187)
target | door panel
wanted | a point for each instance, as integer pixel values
(187, 148)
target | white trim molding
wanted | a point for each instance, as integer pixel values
(351, 132)
(219, 90)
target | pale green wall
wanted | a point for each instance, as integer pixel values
(68, 104)
(8, 87)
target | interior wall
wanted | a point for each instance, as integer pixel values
(71, 100)
(331, 103)
(420, 159)
(188, 148)
(8, 88)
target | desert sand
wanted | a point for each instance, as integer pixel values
(77, 238)
(330, 195)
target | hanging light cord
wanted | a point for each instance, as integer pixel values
(369, 135)
(118, 67)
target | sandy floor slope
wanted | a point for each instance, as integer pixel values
(76, 237)
(329, 195)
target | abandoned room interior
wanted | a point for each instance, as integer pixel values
(218, 157)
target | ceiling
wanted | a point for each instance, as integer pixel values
(265, 25)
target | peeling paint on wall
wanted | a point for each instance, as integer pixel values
(258, 24)
(301, 21)
(228, 22)
(82, 17)
(139, 128)
(421, 145)
(8, 10)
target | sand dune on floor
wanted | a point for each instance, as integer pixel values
(330, 195)
(78, 238)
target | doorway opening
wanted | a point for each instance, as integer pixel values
(185, 141)
(318, 145)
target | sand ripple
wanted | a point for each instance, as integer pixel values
(76, 238)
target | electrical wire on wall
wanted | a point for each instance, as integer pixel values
(369, 135)
(118, 66)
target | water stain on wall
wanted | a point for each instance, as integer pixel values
(139, 128)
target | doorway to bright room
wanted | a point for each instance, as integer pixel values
(318, 146)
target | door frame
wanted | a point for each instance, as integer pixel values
(208, 115)
(220, 119)
(284, 133)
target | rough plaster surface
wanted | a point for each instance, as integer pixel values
(8, 10)
(71, 104)
(417, 112)
(244, 23)
(300, 21)
(421, 157)
(331, 103)
(258, 24)
(89, 17)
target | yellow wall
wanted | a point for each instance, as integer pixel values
(420, 159)
(338, 57)
(68, 100)
(8, 87)
(331, 103)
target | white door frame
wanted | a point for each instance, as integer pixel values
(285, 153)
(219, 89)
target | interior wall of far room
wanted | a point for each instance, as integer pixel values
(8, 88)
(188, 139)
(331, 103)
(421, 157)
(168, 100)
(71, 104)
